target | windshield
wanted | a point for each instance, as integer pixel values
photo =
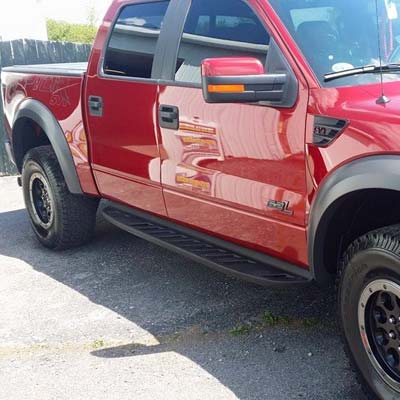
(337, 35)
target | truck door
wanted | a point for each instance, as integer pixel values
(234, 170)
(121, 97)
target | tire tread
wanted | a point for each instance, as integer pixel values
(77, 212)
(387, 239)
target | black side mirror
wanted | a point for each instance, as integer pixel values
(240, 80)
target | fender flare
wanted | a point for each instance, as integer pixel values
(372, 172)
(38, 112)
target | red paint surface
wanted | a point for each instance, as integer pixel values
(225, 163)
(226, 66)
(373, 128)
(124, 143)
(62, 96)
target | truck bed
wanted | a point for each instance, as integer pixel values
(65, 69)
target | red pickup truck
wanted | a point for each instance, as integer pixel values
(259, 137)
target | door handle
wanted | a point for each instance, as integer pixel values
(168, 117)
(95, 106)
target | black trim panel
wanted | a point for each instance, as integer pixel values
(38, 112)
(327, 129)
(376, 172)
(167, 47)
(218, 254)
(269, 87)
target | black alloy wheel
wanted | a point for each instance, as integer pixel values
(379, 324)
(42, 201)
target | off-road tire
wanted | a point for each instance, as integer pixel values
(73, 217)
(369, 259)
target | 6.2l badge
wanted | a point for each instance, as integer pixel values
(282, 206)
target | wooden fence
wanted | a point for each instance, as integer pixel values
(24, 52)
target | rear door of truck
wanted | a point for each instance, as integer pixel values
(121, 97)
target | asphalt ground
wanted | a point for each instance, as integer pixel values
(124, 319)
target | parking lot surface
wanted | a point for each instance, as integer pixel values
(124, 319)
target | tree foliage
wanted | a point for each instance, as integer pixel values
(65, 32)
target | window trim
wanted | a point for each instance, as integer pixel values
(101, 72)
(176, 49)
(173, 26)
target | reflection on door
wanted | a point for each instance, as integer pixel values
(227, 161)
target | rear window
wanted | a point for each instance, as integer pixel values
(132, 45)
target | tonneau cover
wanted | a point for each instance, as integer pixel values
(68, 69)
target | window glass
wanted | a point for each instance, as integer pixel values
(133, 41)
(338, 35)
(223, 28)
(303, 15)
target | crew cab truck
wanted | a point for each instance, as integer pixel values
(259, 137)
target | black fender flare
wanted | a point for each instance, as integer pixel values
(372, 172)
(38, 112)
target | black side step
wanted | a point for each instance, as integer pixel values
(213, 252)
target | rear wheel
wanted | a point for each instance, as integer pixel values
(59, 219)
(369, 310)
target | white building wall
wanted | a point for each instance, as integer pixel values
(22, 19)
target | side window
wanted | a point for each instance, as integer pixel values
(223, 28)
(133, 40)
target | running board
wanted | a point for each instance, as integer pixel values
(218, 254)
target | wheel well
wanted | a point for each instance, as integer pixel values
(348, 218)
(27, 134)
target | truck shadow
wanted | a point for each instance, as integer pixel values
(248, 337)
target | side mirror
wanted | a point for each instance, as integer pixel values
(240, 80)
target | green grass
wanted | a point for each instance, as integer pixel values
(274, 320)
(240, 330)
(310, 322)
(268, 319)
(98, 344)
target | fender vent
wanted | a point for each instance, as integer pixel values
(326, 129)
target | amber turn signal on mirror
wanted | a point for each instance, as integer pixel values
(226, 88)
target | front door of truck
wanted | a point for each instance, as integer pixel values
(121, 106)
(228, 168)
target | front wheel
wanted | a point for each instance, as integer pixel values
(369, 311)
(60, 220)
